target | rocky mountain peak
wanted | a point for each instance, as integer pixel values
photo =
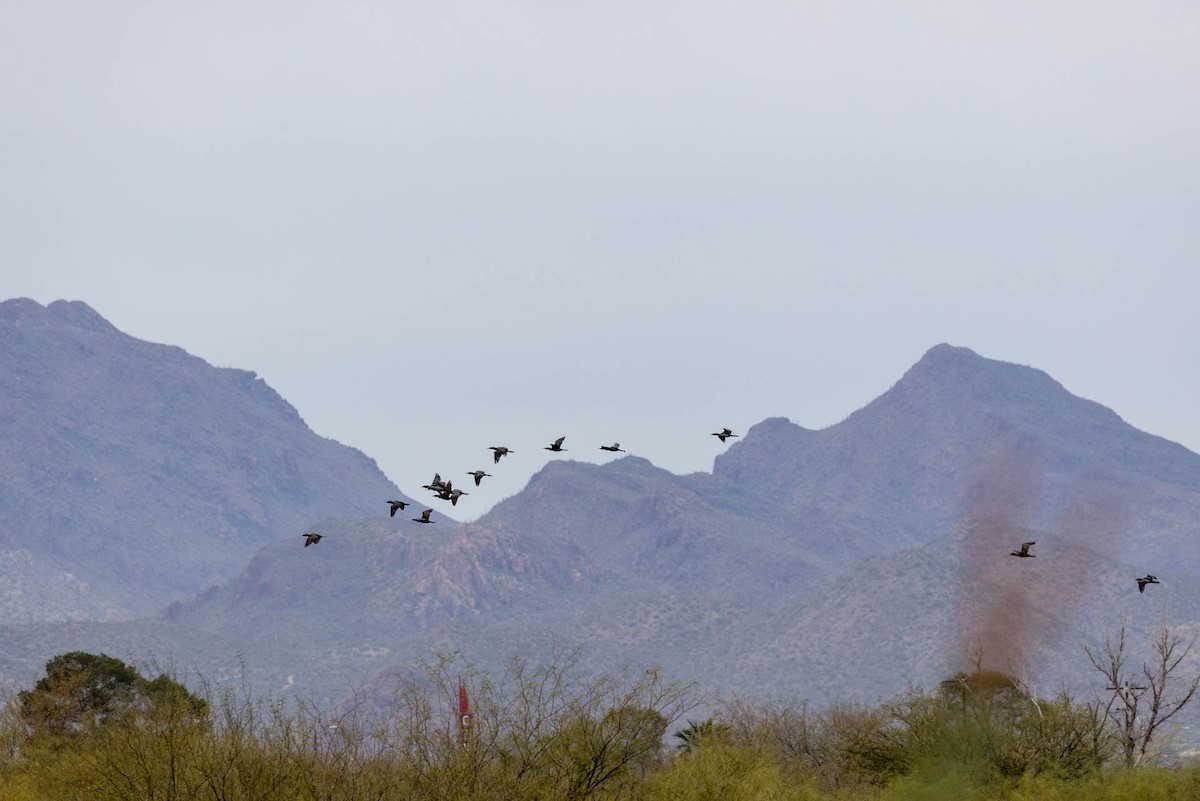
(956, 374)
(143, 473)
(26, 312)
(16, 310)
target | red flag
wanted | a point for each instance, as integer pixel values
(464, 714)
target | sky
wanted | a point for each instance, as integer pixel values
(438, 227)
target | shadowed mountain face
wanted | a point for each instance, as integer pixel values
(133, 474)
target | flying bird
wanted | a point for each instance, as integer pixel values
(1024, 552)
(723, 434)
(424, 518)
(397, 505)
(478, 474)
(556, 445)
(311, 539)
(435, 485)
(455, 495)
(1148, 579)
(615, 447)
(499, 451)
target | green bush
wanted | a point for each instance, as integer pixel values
(94, 729)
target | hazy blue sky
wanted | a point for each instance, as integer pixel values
(435, 227)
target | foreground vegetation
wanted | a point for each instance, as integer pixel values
(95, 728)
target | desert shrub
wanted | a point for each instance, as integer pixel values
(722, 771)
(546, 731)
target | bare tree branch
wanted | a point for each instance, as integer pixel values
(1136, 722)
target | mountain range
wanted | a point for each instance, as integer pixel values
(845, 562)
(134, 474)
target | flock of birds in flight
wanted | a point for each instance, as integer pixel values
(446, 491)
(1024, 553)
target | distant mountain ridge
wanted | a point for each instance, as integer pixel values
(841, 562)
(890, 529)
(133, 474)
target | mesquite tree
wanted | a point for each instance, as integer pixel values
(1143, 700)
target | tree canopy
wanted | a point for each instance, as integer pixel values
(81, 691)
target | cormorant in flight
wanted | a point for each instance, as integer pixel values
(1024, 552)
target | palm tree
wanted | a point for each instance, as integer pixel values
(694, 734)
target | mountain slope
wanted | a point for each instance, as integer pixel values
(846, 561)
(922, 614)
(384, 580)
(842, 562)
(133, 474)
(960, 436)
